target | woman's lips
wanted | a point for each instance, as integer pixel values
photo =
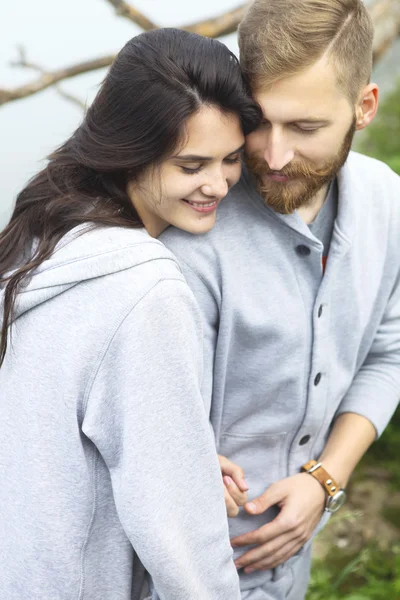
(203, 207)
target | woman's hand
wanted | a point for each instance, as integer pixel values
(235, 486)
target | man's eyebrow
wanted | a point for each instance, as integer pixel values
(197, 158)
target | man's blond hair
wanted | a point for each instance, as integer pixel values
(279, 38)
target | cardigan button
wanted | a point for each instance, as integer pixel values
(317, 378)
(303, 250)
(304, 440)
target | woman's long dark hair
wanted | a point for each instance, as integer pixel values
(157, 81)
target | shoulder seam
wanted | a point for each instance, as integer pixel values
(110, 338)
(204, 281)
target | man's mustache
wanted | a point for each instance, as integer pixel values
(299, 169)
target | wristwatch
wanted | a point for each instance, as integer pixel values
(335, 495)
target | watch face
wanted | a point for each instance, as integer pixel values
(336, 501)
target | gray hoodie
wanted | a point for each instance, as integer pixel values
(107, 464)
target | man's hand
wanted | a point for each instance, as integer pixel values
(235, 486)
(301, 499)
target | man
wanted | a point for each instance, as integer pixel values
(299, 287)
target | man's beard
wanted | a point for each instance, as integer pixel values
(305, 179)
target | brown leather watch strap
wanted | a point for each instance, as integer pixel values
(317, 470)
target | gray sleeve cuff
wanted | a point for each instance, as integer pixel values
(372, 399)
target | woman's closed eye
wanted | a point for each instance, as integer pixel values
(232, 160)
(191, 170)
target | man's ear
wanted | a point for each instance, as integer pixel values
(367, 106)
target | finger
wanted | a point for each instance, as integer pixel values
(275, 494)
(264, 534)
(232, 508)
(273, 561)
(234, 471)
(240, 498)
(264, 551)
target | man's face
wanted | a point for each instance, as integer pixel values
(305, 138)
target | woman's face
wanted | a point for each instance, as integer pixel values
(187, 188)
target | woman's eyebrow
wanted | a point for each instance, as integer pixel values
(238, 149)
(197, 158)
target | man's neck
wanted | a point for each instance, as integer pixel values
(309, 212)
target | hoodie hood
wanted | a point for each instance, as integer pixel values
(87, 253)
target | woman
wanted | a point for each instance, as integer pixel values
(106, 459)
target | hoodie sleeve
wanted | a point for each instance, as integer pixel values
(146, 416)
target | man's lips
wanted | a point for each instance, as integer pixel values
(276, 177)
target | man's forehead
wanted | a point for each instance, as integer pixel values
(281, 108)
(293, 100)
(318, 81)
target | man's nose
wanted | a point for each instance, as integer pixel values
(278, 152)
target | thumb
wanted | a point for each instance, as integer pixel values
(273, 495)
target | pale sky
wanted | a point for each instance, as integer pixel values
(57, 34)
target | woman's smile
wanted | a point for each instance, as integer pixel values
(203, 207)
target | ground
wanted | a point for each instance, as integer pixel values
(357, 555)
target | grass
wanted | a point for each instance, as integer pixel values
(385, 452)
(372, 574)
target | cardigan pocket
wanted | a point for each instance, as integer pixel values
(263, 462)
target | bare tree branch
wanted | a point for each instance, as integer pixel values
(50, 78)
(380, 9)
(385, 43)
(25, 63)
(215, 27)
(386, 17)
(71, 98)
(222, 25)
(385, 14)
(123, 9)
